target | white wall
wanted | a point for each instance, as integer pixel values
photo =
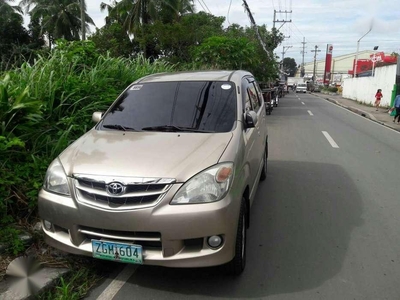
(363, 89)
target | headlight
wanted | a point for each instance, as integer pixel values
(56, 180)
(209, 185)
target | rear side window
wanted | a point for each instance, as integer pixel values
(202, 105)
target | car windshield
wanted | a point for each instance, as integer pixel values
(193, 106)
(302, 85)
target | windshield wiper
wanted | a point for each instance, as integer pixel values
(172, 128)
(119, 127)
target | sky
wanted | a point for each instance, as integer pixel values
(338, 22)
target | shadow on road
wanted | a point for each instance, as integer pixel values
(301, 224)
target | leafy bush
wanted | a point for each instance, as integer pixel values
(9, 237)
(333, 89)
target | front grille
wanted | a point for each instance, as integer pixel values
(119, 200)
(148, 240)
(138, 192)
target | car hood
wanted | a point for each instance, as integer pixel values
(144, 154)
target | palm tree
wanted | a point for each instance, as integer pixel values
(172, 10)
(6, 9)
(113, 14)
(136, 14)
(58, 18)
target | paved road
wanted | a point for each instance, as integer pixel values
(325, 224)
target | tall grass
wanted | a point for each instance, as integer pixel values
(47, 105)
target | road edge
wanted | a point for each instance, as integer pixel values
(357, 111)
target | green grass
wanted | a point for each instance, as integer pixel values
(46, 106)
(73, 286)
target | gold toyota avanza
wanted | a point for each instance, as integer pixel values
(166, 177)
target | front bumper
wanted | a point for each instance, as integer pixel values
(171, 235)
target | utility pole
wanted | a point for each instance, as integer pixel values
(253, 23)
(315, 61)
(83, 28)
(302, 61)
(281, 21)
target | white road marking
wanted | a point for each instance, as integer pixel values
(330, 139)
(303, 103)
(310, 113)
(117, 283)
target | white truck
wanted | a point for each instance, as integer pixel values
(293, 81)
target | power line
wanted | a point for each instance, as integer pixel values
(206, 6)
(201, 5)
(298, 29)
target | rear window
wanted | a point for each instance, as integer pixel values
(201, 105)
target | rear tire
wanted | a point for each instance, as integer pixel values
(238, 263)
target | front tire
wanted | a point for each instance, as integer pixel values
(238, 263)
(263, 175)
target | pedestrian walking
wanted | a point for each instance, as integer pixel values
(378, 97)
(397, 108)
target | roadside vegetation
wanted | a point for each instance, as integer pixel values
(51, 82)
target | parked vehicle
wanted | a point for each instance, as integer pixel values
(269, 95)
(269, 106)
(292, 81)
(316, 88)
(301, 88)
(276, 97)
(166, 177)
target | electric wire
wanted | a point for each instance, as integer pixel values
(209, 11)
(201, 5)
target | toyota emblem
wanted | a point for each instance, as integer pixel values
(115, 188)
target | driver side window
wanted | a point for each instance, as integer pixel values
(253, 95)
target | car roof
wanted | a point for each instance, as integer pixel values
(220, 75)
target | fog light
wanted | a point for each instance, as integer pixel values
(47, 225)
(214, 241)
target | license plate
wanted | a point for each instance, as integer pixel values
(126, 253)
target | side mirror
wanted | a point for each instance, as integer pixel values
(250, 119)
(96, 117)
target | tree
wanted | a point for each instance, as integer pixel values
(172, 10)
(290, 66)
(114, 40)
(174, 41)
(226, 53)
(14, 38)
(138, 14)
(58, 18)
(6, 9)
(264, 66)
